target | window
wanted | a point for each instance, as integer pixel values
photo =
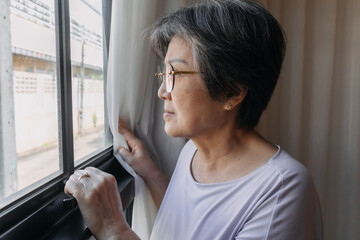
(37, 97)
(52, 109)
(35, 154)
(87, 77)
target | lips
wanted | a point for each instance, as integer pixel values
(167, 114)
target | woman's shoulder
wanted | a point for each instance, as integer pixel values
(289, 170)
(286, 200)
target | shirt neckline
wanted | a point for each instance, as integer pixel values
(243, 178)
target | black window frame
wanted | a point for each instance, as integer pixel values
(46, 212)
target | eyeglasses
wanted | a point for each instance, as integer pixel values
(168, 77)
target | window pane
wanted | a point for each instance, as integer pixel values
(35, 115)
(87, 76)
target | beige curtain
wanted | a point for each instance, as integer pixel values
(315, 110)
(132, 95)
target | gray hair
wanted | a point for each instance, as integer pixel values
(237, 45)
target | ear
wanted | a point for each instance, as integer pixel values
(235, 101)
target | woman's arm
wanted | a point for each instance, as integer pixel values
(100, 204)
(97, 195)
(141, 162)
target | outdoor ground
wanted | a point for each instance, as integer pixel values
(36, 165)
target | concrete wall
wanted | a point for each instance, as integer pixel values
(36, 108)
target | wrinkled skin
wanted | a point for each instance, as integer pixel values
(138, 158)
(98, 197)
(98, 200)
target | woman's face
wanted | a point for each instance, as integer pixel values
(189, 111)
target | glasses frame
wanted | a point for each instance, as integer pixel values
(170, 83)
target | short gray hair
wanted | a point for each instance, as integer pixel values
(237, 45)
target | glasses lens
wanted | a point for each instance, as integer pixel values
(169, 78)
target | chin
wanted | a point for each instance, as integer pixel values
(170, 131)
(174, 131)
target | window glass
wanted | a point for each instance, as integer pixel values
(32, 110)
(87, 77)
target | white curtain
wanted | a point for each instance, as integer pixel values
(315, 110)
(132, 95)
(314, 113)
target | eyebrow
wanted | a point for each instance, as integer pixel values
(177, 60)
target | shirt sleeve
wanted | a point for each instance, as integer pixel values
(291, 211)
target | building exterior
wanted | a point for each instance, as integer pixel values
(34, 70)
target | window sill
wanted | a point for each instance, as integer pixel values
(54, 220)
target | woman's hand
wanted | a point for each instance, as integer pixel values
(138, 158)
(141, 162)
(99, 202)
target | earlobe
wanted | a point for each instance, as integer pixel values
(228, 105)
(233, 101)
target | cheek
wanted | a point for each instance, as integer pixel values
(193, 105)
(183, 112)
(184, 105)
(191, 110)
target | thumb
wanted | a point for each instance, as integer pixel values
(125, 154)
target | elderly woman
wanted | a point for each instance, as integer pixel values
(222, 59)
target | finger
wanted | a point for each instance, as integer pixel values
(82, 188)
(73, 187)
(99, 175)
(80, 172)
(95, 171)
(122, 124)
(132, 141)
(125, 154)
(93, 176)
(82, 176)
(123, 127)
(124, 130)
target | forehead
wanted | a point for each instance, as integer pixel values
(179, 51)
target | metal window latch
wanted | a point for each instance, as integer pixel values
(69, 203)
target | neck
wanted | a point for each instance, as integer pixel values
(229, 153)
(221, 143)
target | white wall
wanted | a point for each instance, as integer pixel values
(36, 112)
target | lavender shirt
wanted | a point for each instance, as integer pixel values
(276, 201)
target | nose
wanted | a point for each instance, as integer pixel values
(162, 93)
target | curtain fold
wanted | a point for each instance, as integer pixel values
(315, 110)
(314, 113)
(132, 95)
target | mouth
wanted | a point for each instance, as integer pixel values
(168, 114)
